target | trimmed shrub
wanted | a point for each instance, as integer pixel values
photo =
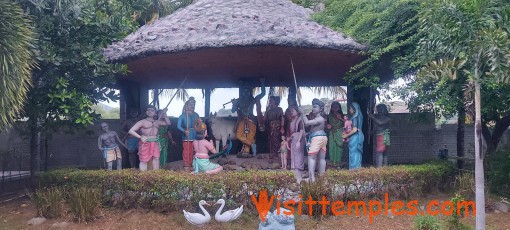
(164, 190)
(317, 190)
(399, 182)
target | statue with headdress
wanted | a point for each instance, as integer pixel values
(317, 138)
(246, 125)
(185, 125)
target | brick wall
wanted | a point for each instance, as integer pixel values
(411, 142)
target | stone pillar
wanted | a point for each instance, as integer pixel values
(207, 102)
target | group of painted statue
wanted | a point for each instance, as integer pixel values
(286, 135)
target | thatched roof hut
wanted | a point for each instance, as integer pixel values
(226, 40)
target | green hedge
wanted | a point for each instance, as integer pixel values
(164, 190)
(399, 182)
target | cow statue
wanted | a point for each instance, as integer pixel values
(221, 128)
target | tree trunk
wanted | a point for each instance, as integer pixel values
(487, 136)
(461, 124)
(492, 139)
(479, 172)
(34, 149)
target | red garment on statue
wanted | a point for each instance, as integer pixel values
(187, 153)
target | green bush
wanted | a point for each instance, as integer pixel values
(498, 172)
(85, 203)
(399, 182)
(49, 202)
(316, 190)
(164, 190)
(426, 223)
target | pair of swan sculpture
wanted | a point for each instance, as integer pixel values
(201, 219)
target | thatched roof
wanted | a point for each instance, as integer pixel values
(230, 23)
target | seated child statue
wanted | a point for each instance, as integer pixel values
(201, 162)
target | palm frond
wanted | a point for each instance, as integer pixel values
(16, 61)
(330, 91)
(182, 94)
(441, 68)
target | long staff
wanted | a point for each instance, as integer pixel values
(180, 86)
(295, 84)
(295, 81)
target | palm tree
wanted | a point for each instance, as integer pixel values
(470, 36)
(333, 91)
(16, 61)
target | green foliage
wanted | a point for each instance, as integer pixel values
(49, 202)
(73, 74)
(498, 172)
(84, 203)
(465, 185)
(426, 223)
(399, 182)
(16, 61)
(307, 3)
(453, 221)
(169, 191)
(389, 28)
(317, 190)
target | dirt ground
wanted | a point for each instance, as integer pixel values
(16, 213)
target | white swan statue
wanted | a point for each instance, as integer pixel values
(228, 215)
(198, 218)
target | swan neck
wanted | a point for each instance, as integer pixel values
(204, 210)
(218, 213)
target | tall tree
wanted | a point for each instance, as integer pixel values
(16, 60)
(473, 36)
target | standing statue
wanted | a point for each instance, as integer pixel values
(246, 127)
(131, 141)
(288, 117)
(275, 120)
(201, 162)
(317, 140)
(296, 134)
(148, 145)
(185, 124)
(164, 138)
(355, 136)
(382, 132)
(107, 142)
(335, 126)
(284, 150)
